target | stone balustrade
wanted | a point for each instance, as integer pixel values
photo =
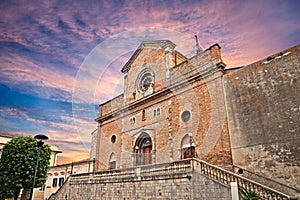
(225, 177)
(176, 170)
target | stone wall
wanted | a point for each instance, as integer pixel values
(184, 179)
(181, 188)
(154, 182)
(264, 116)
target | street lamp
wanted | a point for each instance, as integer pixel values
(94, 162)
(137, 160)
(40, 142)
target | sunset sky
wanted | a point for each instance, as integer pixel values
(60, 59)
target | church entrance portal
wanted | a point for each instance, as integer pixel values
(143, 150)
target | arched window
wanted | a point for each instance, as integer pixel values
(188, 147)
(132, 121)
(112, 161)
(143, 150)
(158, 111)
(143, 115)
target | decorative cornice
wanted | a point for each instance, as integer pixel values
(175, 85)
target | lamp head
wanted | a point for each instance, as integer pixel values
(41, 137)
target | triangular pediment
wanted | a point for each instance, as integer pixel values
(153, 44)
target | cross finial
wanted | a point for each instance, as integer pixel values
(198, 49)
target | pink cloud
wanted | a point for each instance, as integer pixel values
(14, 73)
(69, 156)
(246, 30)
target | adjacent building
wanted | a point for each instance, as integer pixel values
(57, 174)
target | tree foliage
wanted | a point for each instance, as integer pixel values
(17, 165)
(249, 195)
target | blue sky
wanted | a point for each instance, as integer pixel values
(45, 47)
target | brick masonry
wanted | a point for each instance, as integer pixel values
(194, 85)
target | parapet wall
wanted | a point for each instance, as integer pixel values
(177, 188)
(185, 179)
(163, 181)
(111, 105)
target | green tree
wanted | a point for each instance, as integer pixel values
(17, 165)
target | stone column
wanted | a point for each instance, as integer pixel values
(168, 53)
(125, 83)
(170, 137)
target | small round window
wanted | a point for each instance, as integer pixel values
(185, 116)
(113, 139)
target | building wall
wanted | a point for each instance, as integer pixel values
(111, 105)
(107, 147)
(3, 140)
(264, 116)
(61, 173)
(194, 85)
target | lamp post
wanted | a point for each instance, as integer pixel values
(40, 142)
(94, 162)
(137, 156)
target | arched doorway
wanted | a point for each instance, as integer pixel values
(112, 161)
(143, 150)
(188, 147)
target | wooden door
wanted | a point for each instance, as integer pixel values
(147, 155)
(189, 153)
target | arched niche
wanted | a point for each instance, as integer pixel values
(188, 147)
(112, 161)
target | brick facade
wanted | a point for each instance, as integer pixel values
(161, 85)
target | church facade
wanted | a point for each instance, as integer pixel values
(172, 108)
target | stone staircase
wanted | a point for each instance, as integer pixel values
(225, 177)
(266, 181)
(188, 169)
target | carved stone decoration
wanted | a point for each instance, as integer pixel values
(144, 84)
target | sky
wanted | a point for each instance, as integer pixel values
(60, 59)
